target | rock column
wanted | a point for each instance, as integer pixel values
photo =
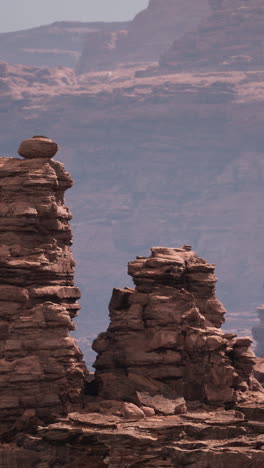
(165, 335)
(41, 367)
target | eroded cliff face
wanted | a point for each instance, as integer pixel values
(41, 367)
(145, 38)
(231, 38)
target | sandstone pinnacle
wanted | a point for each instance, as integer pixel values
(38, 147)
(42, 372)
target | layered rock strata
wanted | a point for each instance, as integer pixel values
(52, 45)
(231, 38)
(199, 439)
(165, 336)
(143, 40)
(41, 367)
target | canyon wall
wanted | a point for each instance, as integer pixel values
(56, 44)
(146, 37)
(170, 389)
(164, 341)
(231, 38)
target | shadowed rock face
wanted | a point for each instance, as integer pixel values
(231, 38)
(164, 337)
(41, 367)
(146, 37)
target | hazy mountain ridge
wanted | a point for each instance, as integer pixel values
(51, 45)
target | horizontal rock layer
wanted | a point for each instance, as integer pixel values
(197, 439)
(41, 367)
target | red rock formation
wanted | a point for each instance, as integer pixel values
(230, 39)
(165, 338)
(171, 321)
(169, 324)
(146, 37)
(200, 438)
(41, 367)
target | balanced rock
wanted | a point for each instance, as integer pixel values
(165, 339)
(38, 147)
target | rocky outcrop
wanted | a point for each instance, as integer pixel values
(165, 339)
(41, 367)
(170, 322)
(231, 38)
(201, 438)
(146, 37)
(180, 391)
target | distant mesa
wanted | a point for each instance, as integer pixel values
(38, 146)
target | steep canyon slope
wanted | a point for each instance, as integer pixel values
(231, 38)
(146, 37)
(91, 46)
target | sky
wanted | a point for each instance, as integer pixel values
(23, 14)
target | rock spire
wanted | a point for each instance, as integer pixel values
(165, 336)
(41, 367)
